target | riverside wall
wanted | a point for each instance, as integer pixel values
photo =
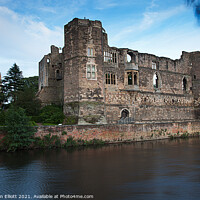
(121, 132)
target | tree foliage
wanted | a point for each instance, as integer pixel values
(19, 130)
(27, 100)
(12, 83)
(20, 91)
(2, 117)
(52, 114)
(31, 83)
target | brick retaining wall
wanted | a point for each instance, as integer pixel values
(119, 133)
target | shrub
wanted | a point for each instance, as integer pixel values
(2, 118)
(52, 114)
(69, 120)
(20, 133)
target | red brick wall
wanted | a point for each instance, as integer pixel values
(118, 133)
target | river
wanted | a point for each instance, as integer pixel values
(165, 169)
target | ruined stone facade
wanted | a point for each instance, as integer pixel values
(99, 84)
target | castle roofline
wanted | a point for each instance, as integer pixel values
(84, 22)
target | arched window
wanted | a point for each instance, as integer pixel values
(124, 113)
(131, 57)
(155, 80)
(184, 84)
(128, 58)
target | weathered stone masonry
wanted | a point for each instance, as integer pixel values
(99, 84)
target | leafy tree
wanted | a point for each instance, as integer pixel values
(12, 83)
(19, 130)
(27, 100)
(31, 83)
(2, 117)
(52, 114)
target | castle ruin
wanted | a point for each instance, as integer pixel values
(99, 84)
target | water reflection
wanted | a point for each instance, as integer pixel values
(150, 170)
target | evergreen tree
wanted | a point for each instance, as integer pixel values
(12, 83)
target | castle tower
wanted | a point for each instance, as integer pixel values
(51, 78)
(83, 72)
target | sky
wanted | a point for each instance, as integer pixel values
(29, 27)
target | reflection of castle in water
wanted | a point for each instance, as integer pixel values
(99, 84)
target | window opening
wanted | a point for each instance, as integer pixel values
(153, 65)
(114, 55)
(155, 81)
(110, 78)
(128, 58)
(135, 78)
(91, 72)
(90, 51)
(130, 79)
(124, 113)
(184, 84)
(110, 57)
(58, 75)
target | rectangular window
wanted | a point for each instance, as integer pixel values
(110, 78)
(110, 57)
(153, 65)
(114, 57)
(88, 72)
(91, 72)
(112, 82)
(135, 78)
(90, 51)
(130, 78)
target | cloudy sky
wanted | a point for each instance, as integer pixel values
(29, 27)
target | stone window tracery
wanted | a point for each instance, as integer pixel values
(91, 72)
(110, 57)
(110, 78)
(132, 78)
(90, 51)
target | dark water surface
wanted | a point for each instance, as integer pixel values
(150, 170)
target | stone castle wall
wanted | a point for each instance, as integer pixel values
(159, 90)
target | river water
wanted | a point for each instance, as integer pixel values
(149, 170)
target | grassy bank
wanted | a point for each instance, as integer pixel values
(50, 142)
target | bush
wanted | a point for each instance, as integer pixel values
(20, 133)
(49, 141)
(2, 118)
(52, 114)
(71, 120)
